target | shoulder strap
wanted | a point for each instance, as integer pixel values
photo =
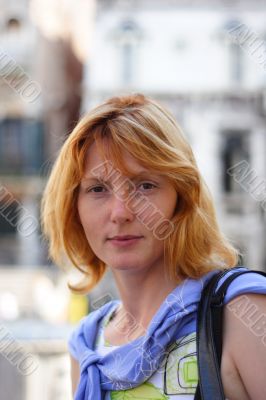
(209, 335)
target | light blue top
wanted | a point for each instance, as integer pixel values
(132, 366)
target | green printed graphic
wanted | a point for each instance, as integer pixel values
(181, 372)
(146, 391)
(190, 372)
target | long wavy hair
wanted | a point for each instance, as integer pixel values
(151, 134)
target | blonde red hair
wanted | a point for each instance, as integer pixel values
(151, 134)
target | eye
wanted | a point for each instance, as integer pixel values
(103, 188)
(148, 184)
(95, 189)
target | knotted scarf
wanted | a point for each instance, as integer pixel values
(134, 362)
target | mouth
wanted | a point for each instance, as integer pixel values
(123, 241)
(125, 237)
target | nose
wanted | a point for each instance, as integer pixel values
(120, 211)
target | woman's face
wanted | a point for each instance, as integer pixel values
(105, 212)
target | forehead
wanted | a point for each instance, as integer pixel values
(94, 161)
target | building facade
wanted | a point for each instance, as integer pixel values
(207, 64)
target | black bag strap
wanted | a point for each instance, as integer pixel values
(209, 335)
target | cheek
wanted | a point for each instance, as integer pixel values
(85, 214)
(81, 211)
(170, 204)
(87, 222)
(174, 206)
(90, 218)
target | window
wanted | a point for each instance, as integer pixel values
(235, 63)
(127, 37)
(235, 149)
(234, 52)
(21, 146)
(13, 24)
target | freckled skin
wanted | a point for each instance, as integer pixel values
(103, 215)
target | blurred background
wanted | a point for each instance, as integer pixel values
(204, 60)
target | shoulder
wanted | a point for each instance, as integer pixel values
(251, 282)
(245, 301)
(244, 333)
(244, 338)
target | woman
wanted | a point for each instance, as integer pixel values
(125, 193)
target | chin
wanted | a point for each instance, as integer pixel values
(124, 266)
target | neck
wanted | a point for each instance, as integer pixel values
(141, 296)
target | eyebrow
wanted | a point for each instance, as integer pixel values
(134, 176)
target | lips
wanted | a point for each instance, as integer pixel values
(125, 237)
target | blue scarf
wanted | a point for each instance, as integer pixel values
(133, 363)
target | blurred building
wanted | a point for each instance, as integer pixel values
(186, 55)
(40, 93)
(21, 134)
(34, 365)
